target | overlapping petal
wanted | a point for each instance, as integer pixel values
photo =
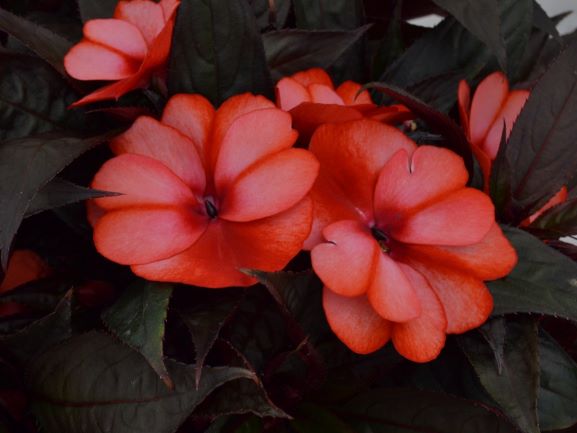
(90, 61)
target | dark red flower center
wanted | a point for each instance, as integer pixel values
(382, 238)
(210, 208)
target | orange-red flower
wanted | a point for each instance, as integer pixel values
(312, 100)
(400, 243)
(130, 48)
(206, 193)
(493, 106)
(24, 266)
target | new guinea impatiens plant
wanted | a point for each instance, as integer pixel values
(273, 216)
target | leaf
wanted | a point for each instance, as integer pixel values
(328, 14)
(516, 22)
(544, 280)
(398, 410)
(34, 98)
(560, 220)
(481, 18)
(137, 319)
(271, 14)
(544, 130)
(558, 392)
(515, 388)
(204, 322)
(59, 192)
(494, 333)
(438, 122)
(46, 44)
(93, 9)
(291, 51)
(312, 418)
(26, 166)
(217, 51)
(42, 334)
(93, 384)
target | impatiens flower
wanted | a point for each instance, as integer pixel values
(24, 266)
(312, 100)
(493, 107)
(206, 193)
(400, 243)
(131, 48)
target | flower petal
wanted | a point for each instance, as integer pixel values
(115, 90)
(147, 15)
(290, 93)
(250, 138)
(143, 235)
(149, 137)
(465, 298)
(558, 198)
(89, 61)
(215, 259)
(345, 263)
(313, 76)
(191, 115)
(24, 266)
(421, 339)
(351, 156)
(407, 183)
(269, 186)
(487, 102)
(142, 181)
(349, 92)
(463, 217)
(390, 293)
(355, 323)
(464, 100)
(322, 94)
(492, 258)
(308, 116)
(118, 34)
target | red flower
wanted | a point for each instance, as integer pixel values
(406, 245)
(24, 266)
(312, 100)
(130, 48)
(206, 193)
(494, 105)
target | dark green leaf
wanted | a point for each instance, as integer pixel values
(558, 392)
(46, 44)
(516, 22)
(137, 319)
(26, 166)
(545, 129)
(328, 14)
(494, 333)
(291, 51)
(482, 19)
(558, 221)
(544, 280)
(33, 98)
(217, 51)
(311, 418)
(271, 14)
(41, 335)
(93, 9)
(515, 387)
(93, 383)
(395, 410)
(544, 23)
(59, 192)
(205, 321)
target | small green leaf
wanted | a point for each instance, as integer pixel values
(515, 387)
(93, 9)
(544, 280)
(26, 166)
(46, 44)
(291, 51)
(137, 319)
(398, 410)
(558, 392)
(42, 334)
(92, 383)
(217, 51)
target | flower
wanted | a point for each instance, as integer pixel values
(400, 243)
(493, 106)
(206, 193)
(24, 266)
(312, 100)
(130, 48)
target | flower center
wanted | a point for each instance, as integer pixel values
(382, 239)
(210, 208)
